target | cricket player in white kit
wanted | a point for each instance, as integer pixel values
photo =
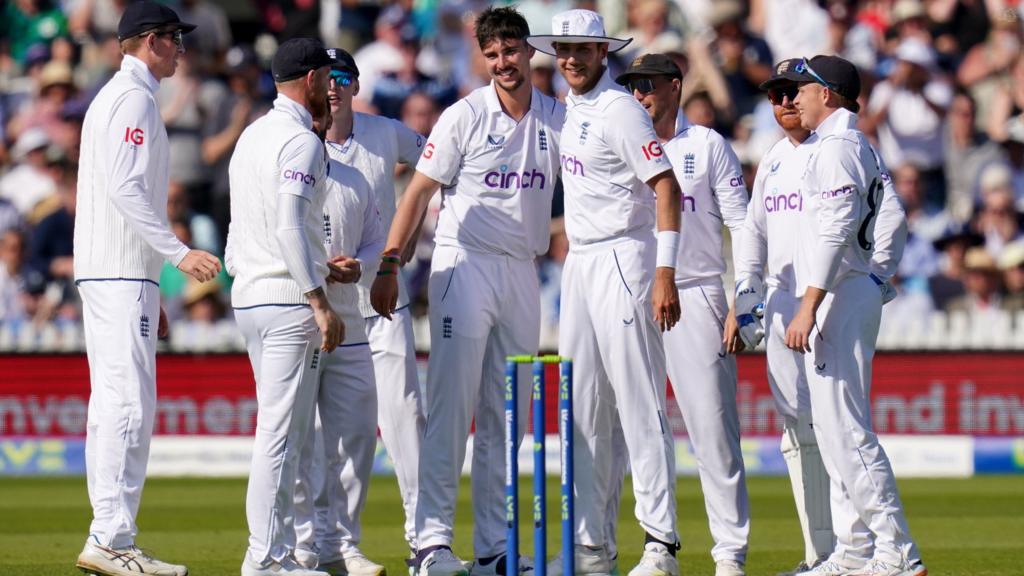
(337, 458)
(618, 293)
(494, 154)
(836, 324)
(276, 253)
(699, 350)
(373, 145)
(769, 238)
(121, 239)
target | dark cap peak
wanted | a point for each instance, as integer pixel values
(144, 16)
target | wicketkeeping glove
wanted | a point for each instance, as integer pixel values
(889, 292)
(750, 311)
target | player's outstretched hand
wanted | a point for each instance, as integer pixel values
(344, 269)
(384, 295)
(666, 298)
(731, 334)
(798, 333)
(200, 265)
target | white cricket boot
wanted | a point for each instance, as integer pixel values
(828, 567)
(131, 561)
(287, 566)
(883, 568)
(442, 562)
(656, 561)
(588, 562)
(353, 564)
(497, 566)
(729, 568)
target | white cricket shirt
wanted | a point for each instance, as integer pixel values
(609, 150)
(711, 179)
(497, 174)
(352, 227)
(276, 154)
(842, 193)
(374, 147)
(121, 228)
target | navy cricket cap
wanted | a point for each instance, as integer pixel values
(298, 56)
(342, 60)
(650, 65)
(144, 16)
(783, 73)
(838, 74)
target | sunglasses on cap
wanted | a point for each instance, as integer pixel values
(805, 66)
(642, 85)
(176, 36)
(777, 95)
(342, 78)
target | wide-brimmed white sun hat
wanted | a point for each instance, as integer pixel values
(575, 27)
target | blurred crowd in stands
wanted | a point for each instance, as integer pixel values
(943, 99)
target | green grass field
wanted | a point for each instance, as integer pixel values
(968, 527)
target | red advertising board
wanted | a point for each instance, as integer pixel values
(914, 393)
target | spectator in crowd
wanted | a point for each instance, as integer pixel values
(384, 54)
(908, 19)
(1014, 148)
(998, 220)
(202, 230)
(27, 22)
(924, 220)
(744, 59)
(542, 73)
(10, 219)
(203, 302)
(29, 182)
(52, 239)
(1007, 102)
(986, 66)
(97, 18)
(958, 26)
(982, 286)
(1011, 262)
(699, 110)
(392, 88)
(12, 281)
(54, 88)
(213, 34)
(245, 101)
(967, 152)
(948, 284)
(906, 111)
(651, 31)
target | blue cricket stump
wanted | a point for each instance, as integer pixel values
(565, 423)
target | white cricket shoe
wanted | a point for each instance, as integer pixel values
(497, 566)
(286, 567)
(656, 561)
(729, 568)
(800, 568)
(131, 561)
(307, 558)
(442, 562)
(354, 564)
(828, 567)
(588, 562)
(882, 568)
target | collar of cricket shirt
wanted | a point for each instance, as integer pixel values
(138, 69)
(682, 122)
(839, 120)
(604, 84)
(494, 104)
(292, 108)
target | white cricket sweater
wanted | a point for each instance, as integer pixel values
(276, 154)
(121, 229)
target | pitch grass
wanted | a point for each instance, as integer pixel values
(964, 527)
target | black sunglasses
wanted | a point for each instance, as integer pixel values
(176, 36)
(642, 85)
(776, 95)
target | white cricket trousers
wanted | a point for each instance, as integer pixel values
(399, 404)
(284, 348)
(121, 319)
(839, 378)
(807, 474)
(483, 308)
(703, 377)
(607, 328)
(337, 456)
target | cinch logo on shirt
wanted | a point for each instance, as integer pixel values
(652, 150)
(736, 182)
(688, 203)
(504, 179)
(571, 165)
(300, 176)
(134, 136)
(844, 191)
(784, 202)
(428, 152)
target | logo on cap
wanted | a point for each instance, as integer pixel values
(782, 67)
(332, 53)
(565, 28)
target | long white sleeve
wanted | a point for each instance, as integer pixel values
(890, 230)
(750, 250)
(840, 189)
(296, 252)
(371, 244)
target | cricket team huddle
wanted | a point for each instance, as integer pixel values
(316, 245)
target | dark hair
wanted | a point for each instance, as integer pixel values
(505, 23)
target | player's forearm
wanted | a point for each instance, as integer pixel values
(812, 300)
(410, 212)
(132, 202)
(667, 202)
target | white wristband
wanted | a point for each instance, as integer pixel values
(668, 248)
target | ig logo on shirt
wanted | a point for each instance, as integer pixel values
(652, 150)
(134, 136)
